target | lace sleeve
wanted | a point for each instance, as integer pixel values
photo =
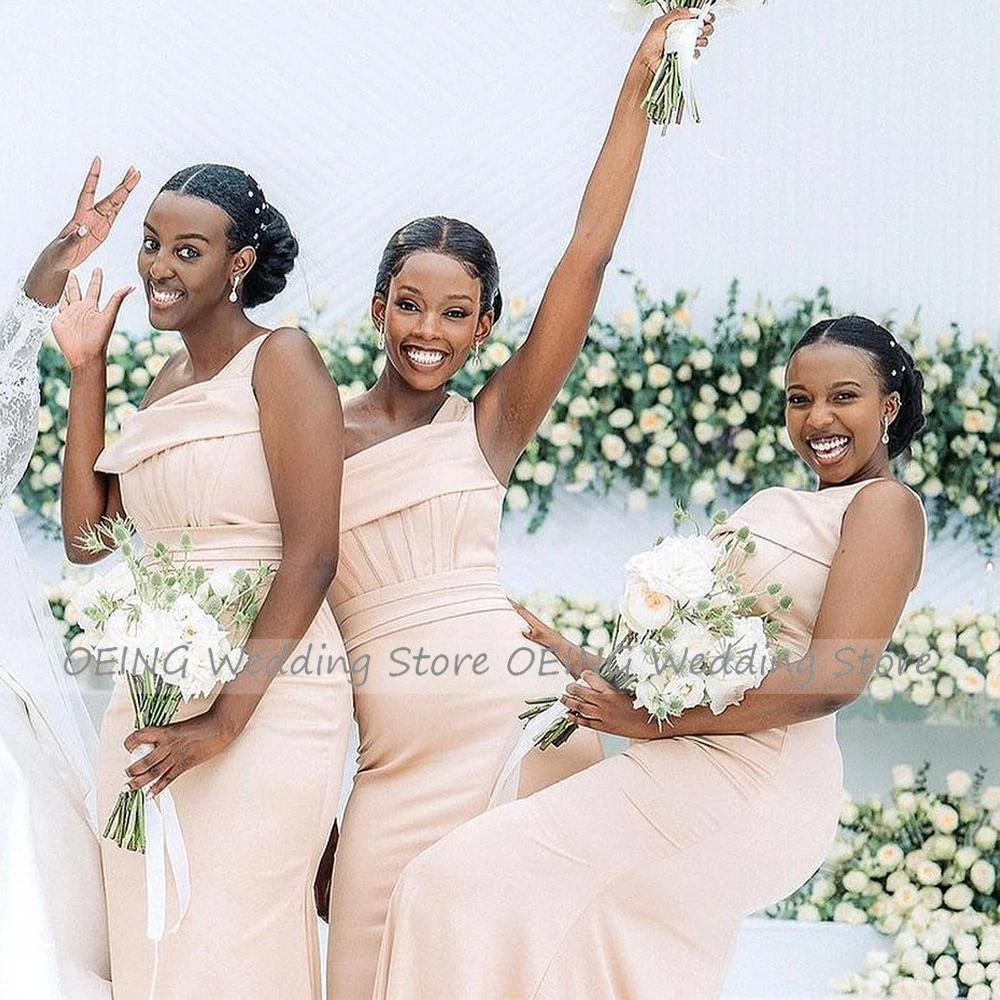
(22, 329)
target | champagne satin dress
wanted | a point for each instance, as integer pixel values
(418, 574)
(629, 881)
(254, 818)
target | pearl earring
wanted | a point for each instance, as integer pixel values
(885, 432)
(475, 354)
(233, 297)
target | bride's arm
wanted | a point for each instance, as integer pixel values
(513, 403)
(82, 331)
(861, 605)
(22, 328)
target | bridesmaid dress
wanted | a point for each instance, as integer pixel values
(418, 572)
(631, 879)
(53, 928)
(254, 818)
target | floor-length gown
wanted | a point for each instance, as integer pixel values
(418, 572)
(254, 818)
(53, 933)
(629, 881)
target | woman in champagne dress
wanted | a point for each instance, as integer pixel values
(417, 595)
(226, 448)
(631, 879)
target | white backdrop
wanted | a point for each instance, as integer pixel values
(852, 143)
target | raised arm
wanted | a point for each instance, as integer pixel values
(514, 401)
(301, 425)
(82, 331)
(861, 605)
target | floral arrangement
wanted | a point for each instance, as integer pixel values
(921, 866)
(945, 662)
(672, 91)
(651, 406)
(686, 635)
(154, 605)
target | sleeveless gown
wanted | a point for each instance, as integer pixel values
(254, 818)
(418, 571)
(631, 879)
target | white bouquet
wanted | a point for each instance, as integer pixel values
(166, 626)
(672, 89)
(688, 633)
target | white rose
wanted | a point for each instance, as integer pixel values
(929, 873)
(983, 877)
(517, 497)
(702, 492)
(612, 447)
(855, 881)
(652, 325)
(658, 376)
(621, 418)
(701, 360)
(656, 456)
(45, 421)
(730, 383)
(139, 377)
(971, 973)
(903, 776)
(985, 838)
(766, 454)
(750, 400)
(644, 608)
(847, 913)
(115, 375)
(807, 912)
(685, 690)
(155, 363)
(932, 487)
(355, 355)
(776, 376)
(971, 681)
(750, 330)
(584, 472)
(970, 507)
(597, 377)
(579, 407)
(633, 381)
(545, 473)
(958, 897)
(51, 474)
(958, 783)
(679, 453)
(881, 689)
(945, 818)
(946, 967)
(684, 373)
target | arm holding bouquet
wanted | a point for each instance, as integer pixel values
(859, 611)
(514, 401)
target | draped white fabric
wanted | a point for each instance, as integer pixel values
(53, 937)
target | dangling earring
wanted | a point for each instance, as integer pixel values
(885, 432)
(233, 297)
(381, 338)
(475, 354)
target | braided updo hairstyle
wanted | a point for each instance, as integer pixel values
(891, 362)
(455, 239)
(253, 223)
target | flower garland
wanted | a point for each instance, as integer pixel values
(922, 867)
(649, 405)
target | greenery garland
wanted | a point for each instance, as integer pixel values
(650, 404)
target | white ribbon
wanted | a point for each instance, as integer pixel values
(682, 41)
(505, 787)
(163, 841)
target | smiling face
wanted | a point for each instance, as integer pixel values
(184, 261)
(835, 410)
(430, 318)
